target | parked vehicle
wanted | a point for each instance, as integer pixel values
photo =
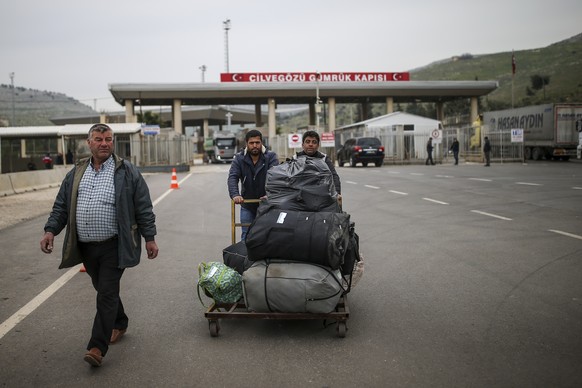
(361, 150)
(548, 130)
(221, 147)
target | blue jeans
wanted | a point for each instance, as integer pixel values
(246, 217)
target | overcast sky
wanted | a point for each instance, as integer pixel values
(79, 47)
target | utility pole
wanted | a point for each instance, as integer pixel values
(13, 123)
(226, 26)
(203, 70)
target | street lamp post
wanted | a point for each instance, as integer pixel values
(203, 70)
(317, 100)
(226, 26)
(228, 120)
(13, 110)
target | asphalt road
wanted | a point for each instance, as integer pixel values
(473, 278)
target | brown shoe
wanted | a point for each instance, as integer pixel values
(116, 335)
(94, 357)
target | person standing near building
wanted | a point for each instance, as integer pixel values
(105, 204)
(48, 161)
(249, 167)
(310, 144)
(69, 157)
(487, 151)
(455, 149)
(429, 148)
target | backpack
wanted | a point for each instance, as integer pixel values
(219, 282)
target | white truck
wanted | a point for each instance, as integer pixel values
(221, 147)
(549, 130)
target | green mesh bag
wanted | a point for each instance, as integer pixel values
(219, 282)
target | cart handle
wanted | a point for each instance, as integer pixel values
(235, 224)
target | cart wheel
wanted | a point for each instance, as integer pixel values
(341, 329)
(214, 328)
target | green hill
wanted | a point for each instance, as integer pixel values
(34, 107)
(561, 62)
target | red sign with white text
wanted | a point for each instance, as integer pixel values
(313, 77)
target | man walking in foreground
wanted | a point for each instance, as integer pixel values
(105, 204)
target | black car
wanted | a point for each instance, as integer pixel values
(361, 150)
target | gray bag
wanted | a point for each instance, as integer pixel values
(291, 287)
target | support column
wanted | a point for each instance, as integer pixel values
(177, 116)
(365, 107)
(130, 116)
(272, 121)
(389, 105)
(331, 114)
(440, 111)
(474, 109)
(258, 116)
(205, 129)
(311, 114)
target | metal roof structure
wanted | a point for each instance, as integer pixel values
(65, 130)
(191, 116)
(233, 93)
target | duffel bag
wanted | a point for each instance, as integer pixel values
(315, 237)
(291, 287)
(219, 282)
(235, 256)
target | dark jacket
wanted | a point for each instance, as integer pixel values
(252, 177)
(429, 146)
(455, 146)
(134, 207)
(327, 160)
(487, 146)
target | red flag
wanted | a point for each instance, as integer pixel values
(513, 63)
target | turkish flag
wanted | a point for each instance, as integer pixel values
(513, 63)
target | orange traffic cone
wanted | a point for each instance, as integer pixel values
(82, 269)
(174, 184)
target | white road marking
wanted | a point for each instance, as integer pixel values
(398, 192)
(372, 187)
(491, 215)
(18, 316)
(562, 233)
(393, 172)
(444, 176)
(27, 309)
(480, 179)
(577, 188)
(435, 201)
(528, 184)
(352, 183)
(416, 173)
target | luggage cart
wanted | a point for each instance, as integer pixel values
(238, 310)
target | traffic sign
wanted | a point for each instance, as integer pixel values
(517, 135)
(327, 139)
(437, 136)
(294, 140)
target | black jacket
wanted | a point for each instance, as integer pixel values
(252, 177)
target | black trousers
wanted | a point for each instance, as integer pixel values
(101, 262)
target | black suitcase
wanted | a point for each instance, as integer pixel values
(315, 237)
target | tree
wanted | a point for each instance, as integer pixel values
(539, 82)
(149, 118)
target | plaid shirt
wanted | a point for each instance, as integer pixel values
(96, 213)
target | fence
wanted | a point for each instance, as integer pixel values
(158, 151)
(409, 147)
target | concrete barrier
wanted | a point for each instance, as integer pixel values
(6, 185)
(21, 182)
